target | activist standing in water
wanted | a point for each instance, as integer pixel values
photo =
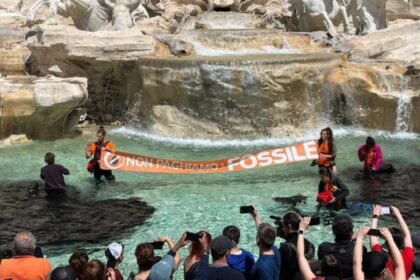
(327, 150)
(371, 154)
(95, 148)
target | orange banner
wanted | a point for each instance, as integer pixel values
(121, 161)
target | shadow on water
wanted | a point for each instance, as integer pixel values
(401, 189)
(66, 219)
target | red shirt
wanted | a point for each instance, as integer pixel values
(407, 256)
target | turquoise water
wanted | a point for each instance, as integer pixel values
(200, 201)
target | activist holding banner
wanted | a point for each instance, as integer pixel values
(111, 160)
(95, 149)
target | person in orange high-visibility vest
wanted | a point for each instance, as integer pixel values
(95, 148)
(327, 150)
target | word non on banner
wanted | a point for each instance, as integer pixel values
(121, 161)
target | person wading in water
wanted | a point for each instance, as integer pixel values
(95, 149)
(327, 150)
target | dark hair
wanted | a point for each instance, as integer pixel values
(398, 237)
(101, 130)
(342, 227)
(266, 235)
(330, 266)
(6, 253)
(323, 171)
(370, 141)
(63, 273)
(233, 233)
(217, 255)
(331, 138)
(145, 256)
(374, 263)
(49, 158)
(95, 270)
(78, 261)
(291, 220)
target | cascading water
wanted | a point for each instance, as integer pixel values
(404, 109)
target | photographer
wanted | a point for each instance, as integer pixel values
(330, 266)
(373, 265)
(151, 267)
(268, 264)
(416, 243)
(289, 232)
(343, 247)
(196, 252)
(402, 238)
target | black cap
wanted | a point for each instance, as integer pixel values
(63, 273)
(222, 244)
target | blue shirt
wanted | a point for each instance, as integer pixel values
(242, 262)
(267, 267)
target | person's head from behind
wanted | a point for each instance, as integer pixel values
(342, 227)
(114, 254)
(78, 261)
(220, 248)
(49, 158)
(196, 249)
(24, 244)
(326, 134)
(374, 265)
(100, 134)
(145, 256)
(233, 233)
(63, 273)
(325, 174)
(266, 236)
(398, 237)
(331, 266)
(370, 142)
(95, 270)
(290, 223)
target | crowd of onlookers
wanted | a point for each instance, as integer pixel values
(397, 256)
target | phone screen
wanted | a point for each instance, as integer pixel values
(315, 221)
(386, 211)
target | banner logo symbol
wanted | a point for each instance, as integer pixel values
(113, 161)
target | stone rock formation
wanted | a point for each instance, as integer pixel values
(40, 107)
(94, 15)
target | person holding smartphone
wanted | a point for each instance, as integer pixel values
(196, 252)
(150, 267)
(401, 237)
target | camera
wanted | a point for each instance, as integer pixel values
(278, 222)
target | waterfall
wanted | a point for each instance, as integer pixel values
(404, 109)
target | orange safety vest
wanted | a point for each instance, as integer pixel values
(324, 148)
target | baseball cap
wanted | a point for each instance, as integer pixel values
(222, 244)
(163, 269)
(116, 249)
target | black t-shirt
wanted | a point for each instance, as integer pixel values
(343, 251)
(224, 273)
(52, 174)
(289, 262)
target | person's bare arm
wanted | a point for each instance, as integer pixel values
(88, 152)
(395, 253)
(358, 254)
(403, 225)
(304, 267)
(256, 216)
(377, 211)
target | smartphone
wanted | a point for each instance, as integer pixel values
(386, 211)
(246, 209)
(192, 236)
(157, 245)
(374, 232)
(316, 220)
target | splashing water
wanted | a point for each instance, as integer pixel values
(403, 113)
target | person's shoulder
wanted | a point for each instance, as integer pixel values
(234, 274)
(325, 246)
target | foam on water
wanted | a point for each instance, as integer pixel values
(339, 132)
(205, 51)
